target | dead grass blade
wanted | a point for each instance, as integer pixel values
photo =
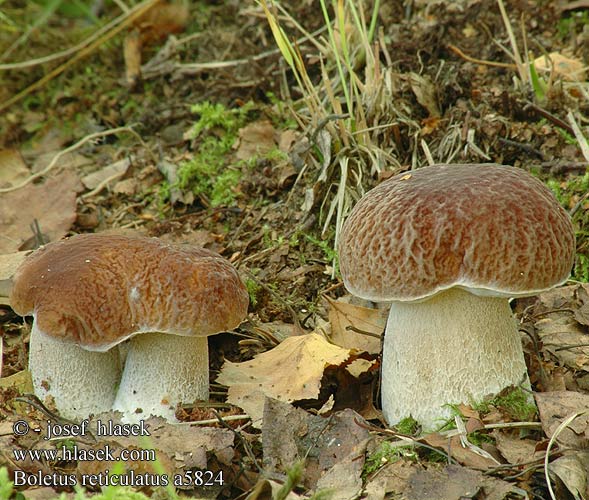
(121, 23)
(557, 432)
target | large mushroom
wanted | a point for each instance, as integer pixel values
(447, 245)
(89, 293)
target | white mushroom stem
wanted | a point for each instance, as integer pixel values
(80, 382)
(160, 371)
(453, 348)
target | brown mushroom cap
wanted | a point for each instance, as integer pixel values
(490, 229)
(96, 290)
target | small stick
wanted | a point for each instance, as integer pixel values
(228, 418)
(482, 62)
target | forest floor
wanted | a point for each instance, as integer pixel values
(186, 123)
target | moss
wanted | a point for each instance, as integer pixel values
(514, 402)
(252, 290)
(572, 23)
(207, 173)
(408, 426)
(326, 247)
(568, 194)
(387, 452)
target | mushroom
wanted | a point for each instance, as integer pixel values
(89, 293)
(448, 245)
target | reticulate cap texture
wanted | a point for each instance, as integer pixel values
(490, 229)
(97, 290)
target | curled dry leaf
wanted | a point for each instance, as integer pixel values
(292, 371)
(425, 93)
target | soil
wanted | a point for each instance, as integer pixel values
(450, 92)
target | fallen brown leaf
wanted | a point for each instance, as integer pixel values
(13, 169)
(112, 171)
(255, 139)
(348, 320)
(291, 371)
(572, 470)
(563, 67)
(8, 265)
(514, 449)
(391, 481)
(454, 448)
(452, 482)
(556, 407)
(52, 204)
(334, 446)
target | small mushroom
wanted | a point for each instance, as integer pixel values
(89, 293)
(447, 245)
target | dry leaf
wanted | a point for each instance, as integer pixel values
(287, 139)
(13, 169)
(572, 471)
(112, 171)
(391, 480)
(186, 444)
(564, 338)
(21, 381)
(425, 93)
(266, 489)
(45, 493)
(170, 171)
(8, 265)
(52, 204)
(563, 67)
(556, 407)
(343, 315)
(301, 361)
(516, 450)
(333, 446)
(453, 482)
(128, 187)
(582, 311)
(132, 46)
(344, 478)
(255, 139)
(464, 456)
